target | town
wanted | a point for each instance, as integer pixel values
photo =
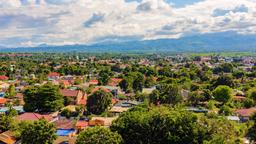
(80, 98)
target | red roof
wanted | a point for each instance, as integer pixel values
(118, 80)
(99, 88)
(246, 112)
(82, 123)
(114, 101)
(64, 124)
(33, 117)
(114, 81)
(3, 100)
(69, 93)
(94, 82)
(19, 95)
(66, 82)
(3, 77)
(239, 98)
(53, 74)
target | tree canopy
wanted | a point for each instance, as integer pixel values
(38, 132)
(98, 102)
(223, 94)
(46, 98)
(167, 125)
(98, 135)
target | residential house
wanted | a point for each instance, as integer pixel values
(19, 109)
(114, 81)
(65, 127)
(4, 85)
(93, 82)
(34, 117)
(245, 114)
(100, 88)
(3, 101)
(83, 100)
(127, 103)
(239, 98)
(233, 118)
(148, 90)
(7, 137)
(20, 97)
(65, 83)
(53, 76)
(113, 89)
(81, 125)
(102, 121)
(117, 110)
(3, 78)
(74, 95)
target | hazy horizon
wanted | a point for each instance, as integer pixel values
(31, 23)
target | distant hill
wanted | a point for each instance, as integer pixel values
(217, 42)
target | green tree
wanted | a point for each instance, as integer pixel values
(98, 102)
(99, 135)
(224, 80)
(149, 82)
(38, 132)
(226, 110)
(227, 67)
(195, 97)
(66, 113)
(154, 97)
(156, 126)
(138, 83)
(222, 94)
(30, 99)
(104, 76)
(252, 94)
(126, 84)
(11, 91)
(46, 98)
(7, 119)
(171, 95)
(166, 94)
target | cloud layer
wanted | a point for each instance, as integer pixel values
(61, 22)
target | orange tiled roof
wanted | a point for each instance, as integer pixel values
(69, 93)
(3, 100)
(100, 88)
(7, 137)
(33, 117)
(246, 112)
(53, 74)
(94, 82)
(2, 77)
(82, 124)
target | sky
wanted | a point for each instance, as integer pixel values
(29, 23)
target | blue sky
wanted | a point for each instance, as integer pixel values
(62, 22)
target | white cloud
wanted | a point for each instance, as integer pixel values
(58, 22)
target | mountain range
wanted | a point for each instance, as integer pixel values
(214, 42)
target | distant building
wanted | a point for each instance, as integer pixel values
(245, 114)
(7, 137)
(53, 76)
(93, 82)
(34, 117)
(74, 95)
(3, 78)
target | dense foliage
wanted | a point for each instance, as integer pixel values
(98, 102)
(165, 125)
(98, 135)
(38, 132)
(46, 98)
